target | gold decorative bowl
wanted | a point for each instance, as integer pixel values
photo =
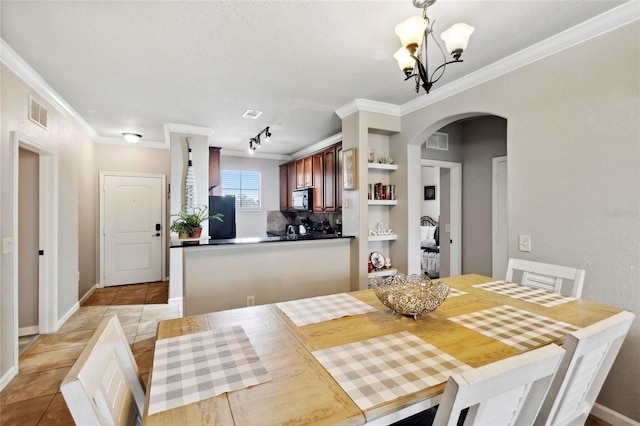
(410, 295)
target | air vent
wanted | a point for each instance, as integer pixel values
(438, 141)
(252, 114)
(37, 113)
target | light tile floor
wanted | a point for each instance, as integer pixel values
(33, 397)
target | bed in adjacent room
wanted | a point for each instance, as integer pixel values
(430, 247)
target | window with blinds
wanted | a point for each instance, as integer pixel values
(245, 185)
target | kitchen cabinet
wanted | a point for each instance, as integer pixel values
(339, 178)
(329, 179)
(321, 171)
(214, 167)
(284, 188)
(318, 180)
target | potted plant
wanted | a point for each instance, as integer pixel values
(189, 225)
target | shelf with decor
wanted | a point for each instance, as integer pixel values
(383, 202)
(381, 166)
(383, 237)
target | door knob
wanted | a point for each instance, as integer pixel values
(157, 234)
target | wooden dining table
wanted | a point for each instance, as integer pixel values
(302, 390)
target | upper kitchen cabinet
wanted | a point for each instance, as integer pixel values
(214, 167)
(320, 171)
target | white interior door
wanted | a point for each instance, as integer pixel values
(500, 230)
(132, 222)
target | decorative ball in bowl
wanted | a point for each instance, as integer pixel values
(410, 295)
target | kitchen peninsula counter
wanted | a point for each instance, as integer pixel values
(226, 274)
(277, 237)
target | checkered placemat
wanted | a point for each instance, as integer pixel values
(384, 368)
(518, 328)
(194, 367)
(453, 292)
(323, 308)
(528, 294)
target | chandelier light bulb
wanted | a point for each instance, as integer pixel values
(405, 61)
(412, 30)
(456, 38)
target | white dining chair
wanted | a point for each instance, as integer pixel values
(590, 353)
(546, 276)
(506, 392)
(104, 386)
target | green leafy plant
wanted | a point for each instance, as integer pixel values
(186, 223)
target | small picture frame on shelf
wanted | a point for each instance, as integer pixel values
(349, 168)
(430, 192)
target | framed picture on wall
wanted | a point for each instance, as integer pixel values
(349, 168)
(430, 192)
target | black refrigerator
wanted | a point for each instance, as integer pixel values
(227, 206)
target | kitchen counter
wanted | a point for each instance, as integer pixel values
(275, 237)
(215, 275)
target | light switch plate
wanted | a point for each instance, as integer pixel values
(524, 243)
(7, 245)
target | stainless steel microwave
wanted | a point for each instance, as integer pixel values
(302, 199)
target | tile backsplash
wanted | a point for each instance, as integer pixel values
(277, 220)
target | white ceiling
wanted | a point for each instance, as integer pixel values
(139, 65)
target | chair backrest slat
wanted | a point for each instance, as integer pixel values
(104, 385)
(590, 353)
(547, 276)
(506, 392)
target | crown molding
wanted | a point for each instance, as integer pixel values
(142, 143)
(369, 106)
(318, 146)
(31, 78)
(230, 153)
(615, 18)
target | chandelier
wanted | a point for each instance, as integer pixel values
(412, 56)
(256, 143)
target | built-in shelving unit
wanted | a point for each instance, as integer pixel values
(383, 237)
(382, 166)
(383, 273)
(382, 202)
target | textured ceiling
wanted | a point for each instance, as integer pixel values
(137, 65)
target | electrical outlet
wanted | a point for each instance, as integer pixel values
(524, 243)
(251, 300)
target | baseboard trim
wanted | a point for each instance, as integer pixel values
(8, 376)
(66, 316)
(88, 294)
(28, 331)
(613, 417)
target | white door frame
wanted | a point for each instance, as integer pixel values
(48, 234)
(455, 265)
(500, 274)
(163, 231)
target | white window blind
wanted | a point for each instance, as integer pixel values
(245, 185)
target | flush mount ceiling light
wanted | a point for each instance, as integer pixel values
(412, 56)
(131, 137)
(255, 143)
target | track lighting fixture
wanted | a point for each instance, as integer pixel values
(255, 143)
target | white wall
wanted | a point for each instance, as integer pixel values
(253, 223)
(574, 173)
(65, 139)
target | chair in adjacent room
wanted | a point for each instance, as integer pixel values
(506, 392)
(104, 386)
(546, 276)
(590, 353)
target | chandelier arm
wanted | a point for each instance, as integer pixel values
(442, 66)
